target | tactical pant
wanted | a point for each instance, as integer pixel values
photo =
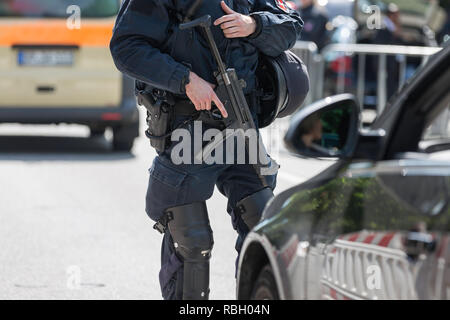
(173, 185)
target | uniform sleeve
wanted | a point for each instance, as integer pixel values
(139, 33)
(279, 27)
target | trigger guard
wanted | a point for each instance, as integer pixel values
(215, 113)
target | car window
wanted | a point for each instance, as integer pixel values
(57, 9)
(436, 136)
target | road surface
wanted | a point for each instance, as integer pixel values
(72, 219)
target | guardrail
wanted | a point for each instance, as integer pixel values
(382, 52)
(309, 53)
(317, 64)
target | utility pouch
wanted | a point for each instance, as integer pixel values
(159, 105)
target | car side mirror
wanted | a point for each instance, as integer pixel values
(325, 129)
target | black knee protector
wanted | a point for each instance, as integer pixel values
(193, 241)
(250, 208)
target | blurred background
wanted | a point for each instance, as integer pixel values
(73, 164)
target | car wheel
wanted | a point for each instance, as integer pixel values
(123, 137)
(96, 132)
(265, 286)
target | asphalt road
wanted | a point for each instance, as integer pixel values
(72, 219)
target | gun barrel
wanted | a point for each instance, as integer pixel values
(205, 23)
(214, 49)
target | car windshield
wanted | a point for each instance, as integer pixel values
(58, 9)
(439, 129)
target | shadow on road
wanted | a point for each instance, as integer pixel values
(44, 148)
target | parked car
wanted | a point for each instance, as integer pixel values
(376, 223)
(51, 71)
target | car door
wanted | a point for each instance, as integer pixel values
(381, 229)
(391, 242)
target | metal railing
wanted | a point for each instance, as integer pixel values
(382, 52)
(309, 53)
(316, 64)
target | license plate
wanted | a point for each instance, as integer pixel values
(45, 58)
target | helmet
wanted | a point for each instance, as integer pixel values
(284, 82)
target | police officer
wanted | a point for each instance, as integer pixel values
(316, 19)
(390, 33)
(148, 45)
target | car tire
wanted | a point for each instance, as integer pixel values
(123, 137)
(265, 287)
(96, 132)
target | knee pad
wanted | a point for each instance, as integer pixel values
(193, 241)
(251, 208)
(190, 230)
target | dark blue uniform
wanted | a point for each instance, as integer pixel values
(148, 46)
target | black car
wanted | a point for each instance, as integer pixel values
(374, 225)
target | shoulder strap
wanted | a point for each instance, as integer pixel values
(184, 11)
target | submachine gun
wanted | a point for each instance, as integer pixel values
(239, 121)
